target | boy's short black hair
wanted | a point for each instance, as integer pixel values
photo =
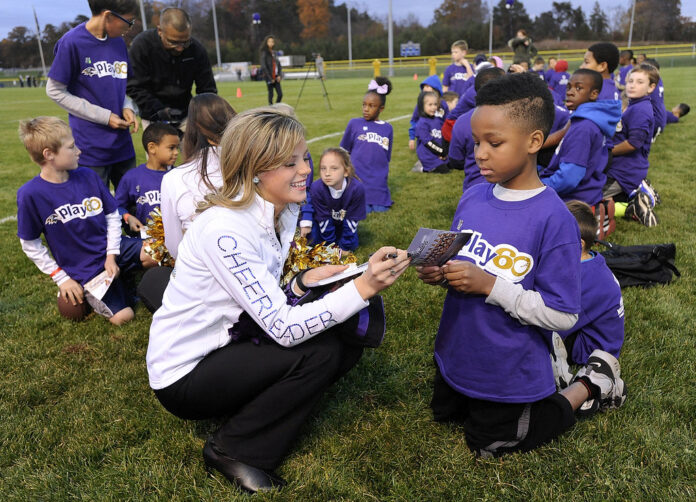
(486, 75)
(526, 97)
(683, 109)
(606, 52)
(627, 52)
(538, 60)
(156, 131)
(597, 80)
(586, 222)
(449, 96)
(421, 101)
(117, 6)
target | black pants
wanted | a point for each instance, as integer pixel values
(279, 91)
(114, 172)
(493, 429)
(152, 286)
(267, 392)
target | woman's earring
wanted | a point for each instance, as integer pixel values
(256, 180)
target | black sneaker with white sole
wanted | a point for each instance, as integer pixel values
(604, 371)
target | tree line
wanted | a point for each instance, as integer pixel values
(320, 26)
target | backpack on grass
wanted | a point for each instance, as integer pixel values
(642, 265)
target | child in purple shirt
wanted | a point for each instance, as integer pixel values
(558, 81)
(369, 142)
(657, 100)
(511, 285)
(88, 79)
(430, 149)
(140, 187)
(629, 164)
(339, 201)
(600, 325)
(458, 76)
(430, 84)
(603, 57)
(78, 217)
(576, 171)
(625, 58)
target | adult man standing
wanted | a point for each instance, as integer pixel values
(164, 64)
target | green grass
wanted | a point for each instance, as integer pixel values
(78, 420)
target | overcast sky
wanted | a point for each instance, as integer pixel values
(56, 11)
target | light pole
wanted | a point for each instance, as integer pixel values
(630, 30)
(391, 41)
(142, 15)
(350, 41)
(217, 39)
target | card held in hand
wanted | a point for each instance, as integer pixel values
(435, 247)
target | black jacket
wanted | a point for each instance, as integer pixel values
(157, 79)
(267, 59)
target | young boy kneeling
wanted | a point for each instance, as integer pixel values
(600, 324)
(513, 283)
(79, 218)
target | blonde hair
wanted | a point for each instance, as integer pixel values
(255, 141)
(461, 44)
(41, 133)
(649, 70)
(345, 160)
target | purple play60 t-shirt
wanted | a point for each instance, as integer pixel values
(95, 70)
(72, 217)
(369, 143)
(482, 351)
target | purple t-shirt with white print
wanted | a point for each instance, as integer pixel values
(429, 129)
(72, 217)
(462, 148)
(95, 70)
(623, 73)
(609, 90)
(369, 143)
(483, 352)
(583, 145)
(140, 187)
(457, 79)
(339, 217)
(558, 83)
(601, 321)
(636, 126)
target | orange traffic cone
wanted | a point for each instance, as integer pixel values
(239, 92)
(415, 76)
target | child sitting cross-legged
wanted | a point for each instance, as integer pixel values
(79, 218)
(338, 199)
(576, 170)
(140, 187)
(600, 324)
(515, 282)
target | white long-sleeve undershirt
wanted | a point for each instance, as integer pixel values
(80, 107)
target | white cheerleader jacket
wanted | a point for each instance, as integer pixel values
(231, 261)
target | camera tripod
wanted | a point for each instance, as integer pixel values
(326, 93)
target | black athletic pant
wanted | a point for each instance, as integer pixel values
(493, 429)
(267, 392)
(279, 92)
(114, 172)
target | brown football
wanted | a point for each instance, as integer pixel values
(70, 311)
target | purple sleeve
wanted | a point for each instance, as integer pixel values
(347, 140)
(575, 149)
(671, 118)
(122, 195)
(558, 276)
(321, 210)
(29, 226)
(415, 116)
(64, 62)
(110, 204)
(307, 208)
(356, 207)
(639, 129)
(391, 142)
(446, 78)
(423, 131)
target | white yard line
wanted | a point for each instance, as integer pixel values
(313, 140)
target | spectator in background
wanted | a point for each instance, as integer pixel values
(165, 63)
(523, 47)
(271, 69)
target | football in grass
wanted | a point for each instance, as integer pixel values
(72, 312)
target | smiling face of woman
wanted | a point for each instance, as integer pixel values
(287, 183)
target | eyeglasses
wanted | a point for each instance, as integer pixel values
(176, 43)
(129, 22)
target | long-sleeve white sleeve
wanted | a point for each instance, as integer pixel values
(528, 306)
(38, 253)
(74, 105)
(113, 233)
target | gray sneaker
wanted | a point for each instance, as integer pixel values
(640, 209)
(417, 167)
(604, 371)
(559, 363)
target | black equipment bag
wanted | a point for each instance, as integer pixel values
(642, 265)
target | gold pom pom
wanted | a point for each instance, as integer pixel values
(302, 256)
(154, 245)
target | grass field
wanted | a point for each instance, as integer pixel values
(78, 420)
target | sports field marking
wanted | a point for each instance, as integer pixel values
(318, 138)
